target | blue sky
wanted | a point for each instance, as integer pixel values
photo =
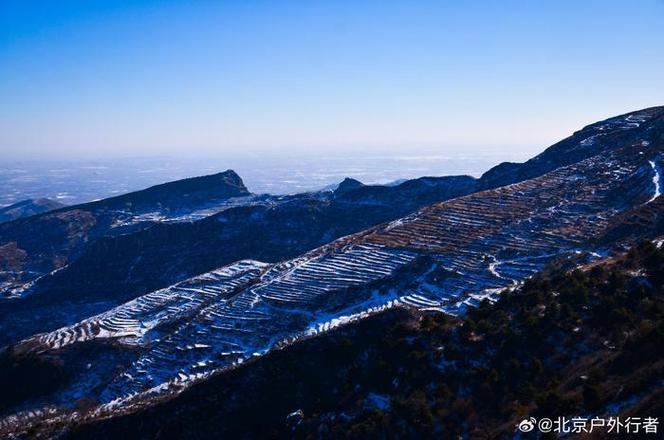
(87, 78)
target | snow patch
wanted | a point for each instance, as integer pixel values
(656, 180)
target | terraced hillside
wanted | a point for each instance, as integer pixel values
(585, 341)
(446, 257)
(137, 243)
(72, 232)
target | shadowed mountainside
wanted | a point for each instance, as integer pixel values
(36, 245)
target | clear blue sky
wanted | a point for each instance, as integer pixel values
(126, 78)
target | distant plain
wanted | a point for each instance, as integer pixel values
(79, 181)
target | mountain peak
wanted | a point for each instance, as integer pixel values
(181, 193)
(228, 178)
(348, 184)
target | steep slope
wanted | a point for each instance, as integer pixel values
(567, 343)
(445, 257)
(26, 208)
(644, 126)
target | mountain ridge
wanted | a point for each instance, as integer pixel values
(145, 253)
(594, 138)
(224, 184)
(448, 256)
(141, 256)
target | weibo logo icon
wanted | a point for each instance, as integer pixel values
(527, 425)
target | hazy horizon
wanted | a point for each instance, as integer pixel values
(149, 78)
(73, 181)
